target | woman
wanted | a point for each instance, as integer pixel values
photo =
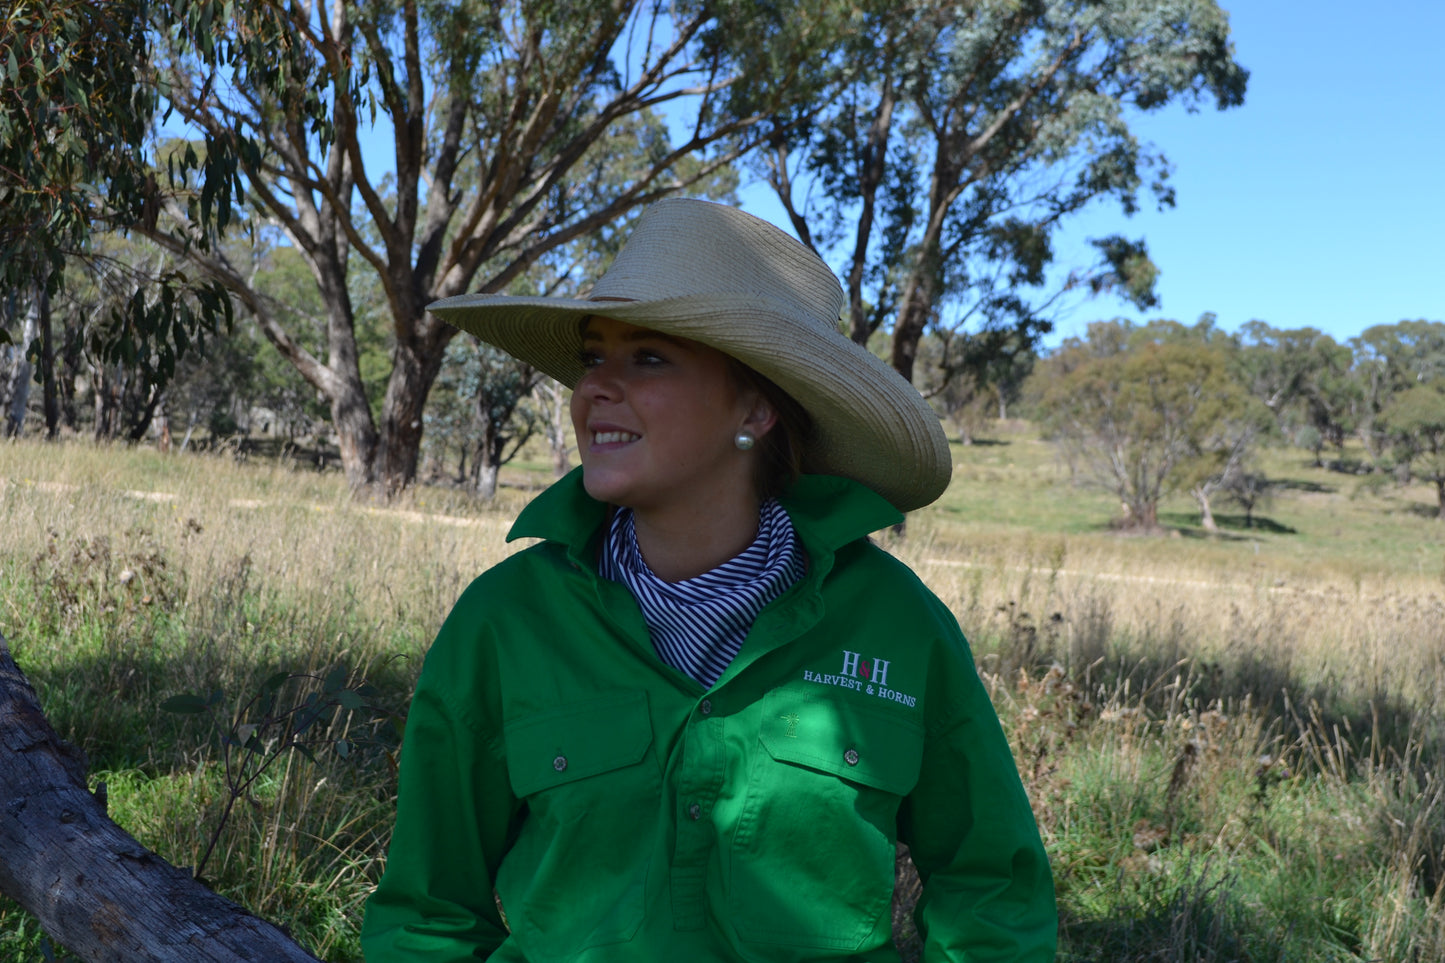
(693, 722)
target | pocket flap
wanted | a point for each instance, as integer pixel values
(874, 747)
(561, 745)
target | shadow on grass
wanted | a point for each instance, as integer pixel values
(269, 448)
(1193, 921)
(1259, 523)
(102, 680)
(1158, 671)
(1302, 485)
(1421, 510)
(1231, 527)
(1348, 466)
(124, 727)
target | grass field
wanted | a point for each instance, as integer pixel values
(1235, 744)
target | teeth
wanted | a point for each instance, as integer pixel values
(612, 437)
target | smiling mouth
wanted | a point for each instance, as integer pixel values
(613, 437)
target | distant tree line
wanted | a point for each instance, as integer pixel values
(340, 166)
(1144, 411)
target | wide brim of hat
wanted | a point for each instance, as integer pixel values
(870, 424)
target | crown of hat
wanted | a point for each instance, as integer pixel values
(684, 248)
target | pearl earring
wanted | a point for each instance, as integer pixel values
(744, 440)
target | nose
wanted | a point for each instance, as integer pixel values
(599, 383)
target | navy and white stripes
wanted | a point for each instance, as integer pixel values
(698, 625)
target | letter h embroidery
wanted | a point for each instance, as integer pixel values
(853, 664)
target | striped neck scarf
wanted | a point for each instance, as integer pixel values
(698, 625)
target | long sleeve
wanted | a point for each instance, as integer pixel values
(454, 810)
(988, 893)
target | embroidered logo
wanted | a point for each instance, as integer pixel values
(868, 676)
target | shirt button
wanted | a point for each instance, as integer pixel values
(851, 757)
(559, 763)
(706, 707)
(695, 811)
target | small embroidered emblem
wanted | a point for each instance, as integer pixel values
(868, 676)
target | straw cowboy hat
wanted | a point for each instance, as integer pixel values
(714, 274)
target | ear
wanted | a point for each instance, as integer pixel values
(761, 417)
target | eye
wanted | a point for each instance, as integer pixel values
(646, 357)
(588, 358)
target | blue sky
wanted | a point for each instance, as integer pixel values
(1320, 202)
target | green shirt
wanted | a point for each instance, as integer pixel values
(622, 812)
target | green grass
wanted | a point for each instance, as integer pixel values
(1320, 522)
(1233, 743)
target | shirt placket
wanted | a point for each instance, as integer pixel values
(699, 779)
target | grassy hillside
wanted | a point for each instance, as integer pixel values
(1233, 743)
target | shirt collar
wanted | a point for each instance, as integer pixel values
(828, 512)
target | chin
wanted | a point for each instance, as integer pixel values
(604, 489)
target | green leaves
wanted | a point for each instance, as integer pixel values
(67, 125)
(1145, 411)
(1130, 272)
(1415, 424)
(290, 711)
(75, 117)
(957, 137)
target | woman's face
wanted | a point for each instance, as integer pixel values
(656, 417)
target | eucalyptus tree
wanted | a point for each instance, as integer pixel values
(1144, 412)
(960, 136)
(76, 109)
(501, 124)
(1390, 359)
(1408, 352)
(1414, 423)
(1305, 378)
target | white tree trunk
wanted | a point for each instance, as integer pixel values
(559, 419)
(18, 389)
(1206, 516)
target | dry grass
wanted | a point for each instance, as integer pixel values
(1234, 744)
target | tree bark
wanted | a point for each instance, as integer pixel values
(47, 364)
(487, 459)
(93, 888)
(109, 400)
(19, 388)
(1206, 515)
(415, 365)
(915, 313)
(872, 168)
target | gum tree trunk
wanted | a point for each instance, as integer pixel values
(18, 393)
(1206, 515)
(51, 406)
(93, 888)
(415, 365)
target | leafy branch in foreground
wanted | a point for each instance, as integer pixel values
(281, 717)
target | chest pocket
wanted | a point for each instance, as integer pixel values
(588, 758)
(812, 858)
(559, 746)
(875, 747)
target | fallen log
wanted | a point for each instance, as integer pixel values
(94, 889)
